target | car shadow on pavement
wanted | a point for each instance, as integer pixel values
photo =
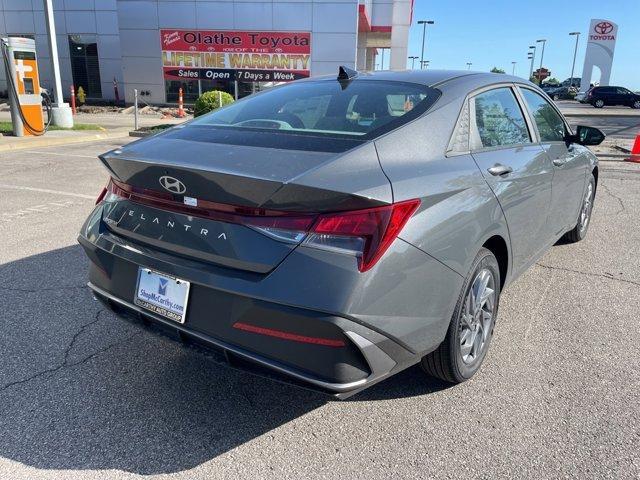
(80, 389)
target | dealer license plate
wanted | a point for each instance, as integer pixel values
(162, 294)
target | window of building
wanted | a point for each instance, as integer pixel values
(499, 121)
(550, 124)
(85, 65)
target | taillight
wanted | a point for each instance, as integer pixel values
(366, 234)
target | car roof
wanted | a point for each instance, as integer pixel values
(432, 78)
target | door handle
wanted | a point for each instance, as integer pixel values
(558, 162)
(498, 170)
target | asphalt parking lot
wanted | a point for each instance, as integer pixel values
(84, 395)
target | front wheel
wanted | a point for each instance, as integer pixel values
(580, 230)
(598, 103)
(461, 353)
(636, 104)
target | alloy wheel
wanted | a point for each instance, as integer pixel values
(636, 104)
(587, 205)
(477, 317)
(599, 103)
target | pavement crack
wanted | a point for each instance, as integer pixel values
(616, 197)
(67, 351)
(591, 274)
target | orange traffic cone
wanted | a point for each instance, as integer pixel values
(636, 146)
(635, 151)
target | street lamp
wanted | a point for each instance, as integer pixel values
(575, 51)
(469, 65)
(544, 42)
(413, 60)
(424, 64)
(532, 56)
(513, 70)
(424, 24)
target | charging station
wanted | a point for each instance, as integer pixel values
(23, 82)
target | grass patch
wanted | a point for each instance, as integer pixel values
(7, 129)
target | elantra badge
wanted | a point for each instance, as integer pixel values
(172, 185)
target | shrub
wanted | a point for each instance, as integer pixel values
(209, 101)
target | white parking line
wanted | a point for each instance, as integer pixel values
(93, 157)
(46, 190)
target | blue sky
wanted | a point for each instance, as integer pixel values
(497, 32)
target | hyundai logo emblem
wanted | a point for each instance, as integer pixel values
(173, 185)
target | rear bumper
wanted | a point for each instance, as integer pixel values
(380, 363)
(365, 358)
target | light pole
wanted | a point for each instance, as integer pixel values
(575, 51)
(424, 64)
(413, 61)
(382, 59)
(469, 65)
(513, 70)
(424, 24)
(532, 57)
(544, 42)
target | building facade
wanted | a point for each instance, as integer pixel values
(159, 46)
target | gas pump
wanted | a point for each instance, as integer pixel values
(23, 84)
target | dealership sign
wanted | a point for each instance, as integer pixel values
(235, 55)
(601, 44)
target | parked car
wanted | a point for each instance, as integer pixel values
(601, 96)
(562, 93)
(338, 230)
(582, 97)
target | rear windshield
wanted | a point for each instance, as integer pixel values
(359, 109)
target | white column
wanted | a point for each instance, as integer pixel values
(61, 113)
(400, 24)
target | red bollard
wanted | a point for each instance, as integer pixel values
(180, 104)
(73, 100)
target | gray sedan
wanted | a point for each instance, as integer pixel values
(337, 230)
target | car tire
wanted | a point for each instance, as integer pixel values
(598, 103)
(636, 104)
(584, 219)
(454, 361)
(556, 98)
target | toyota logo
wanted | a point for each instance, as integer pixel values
(173, 185)
(603, 28)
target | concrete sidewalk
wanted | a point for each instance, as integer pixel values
(114, 125)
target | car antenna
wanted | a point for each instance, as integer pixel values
(346, 73)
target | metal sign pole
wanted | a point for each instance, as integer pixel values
(135, 109)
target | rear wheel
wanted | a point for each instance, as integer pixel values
(598, 103)
(580, 230)
(461, 353)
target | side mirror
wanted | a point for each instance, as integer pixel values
(588, 135)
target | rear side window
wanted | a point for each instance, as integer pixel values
(497, 120)
(550, 124)
(359, 109)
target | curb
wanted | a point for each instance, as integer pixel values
(51, 142)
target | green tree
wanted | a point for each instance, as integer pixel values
(209, 101)
(496, 70)
(552, 81)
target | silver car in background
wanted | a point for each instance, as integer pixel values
(340, 229)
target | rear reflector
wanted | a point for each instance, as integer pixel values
(366, 234)
(294, 337)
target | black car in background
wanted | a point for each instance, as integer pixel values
(601, 96)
